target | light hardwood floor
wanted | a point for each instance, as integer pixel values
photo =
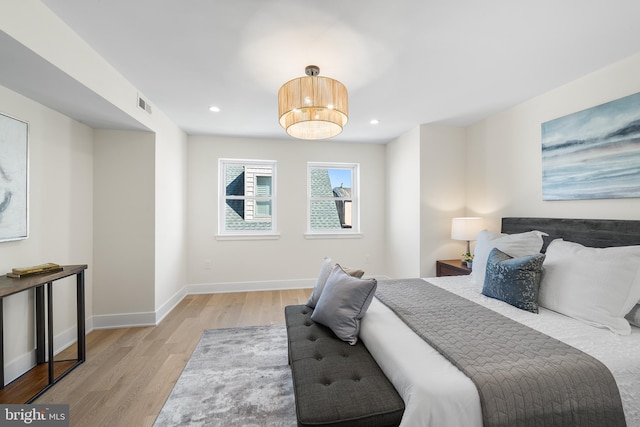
(130, 372)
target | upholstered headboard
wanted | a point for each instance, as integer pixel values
(598, 233)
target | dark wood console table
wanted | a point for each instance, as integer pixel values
(42, 283)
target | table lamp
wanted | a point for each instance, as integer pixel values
(466, 228)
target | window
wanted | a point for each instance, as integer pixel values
(333, 199)
(247, 196)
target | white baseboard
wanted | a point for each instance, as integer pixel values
(64, 339)
(126, 320)
(19, 366)
(130, 320)
(166, 308)
(24, 362)
(268, 285)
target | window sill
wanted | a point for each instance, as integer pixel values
(333, 235)
(275, 236)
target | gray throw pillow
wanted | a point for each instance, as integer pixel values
(355, 272)
(634, 316)
(343, 302)
(325, 270)
(515, 281)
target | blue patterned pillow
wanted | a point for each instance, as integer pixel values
(514, 280)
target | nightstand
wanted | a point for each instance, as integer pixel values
(451, 267)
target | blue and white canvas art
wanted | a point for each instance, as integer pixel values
(13, 178)
(594, 153)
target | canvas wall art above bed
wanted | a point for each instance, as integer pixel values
(545, 333)
(594, 153)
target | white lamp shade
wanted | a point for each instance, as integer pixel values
(466, 228)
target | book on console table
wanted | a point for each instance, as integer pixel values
(20, 272)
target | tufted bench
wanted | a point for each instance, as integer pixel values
(336, 384)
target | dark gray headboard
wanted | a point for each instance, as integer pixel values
(598, 233)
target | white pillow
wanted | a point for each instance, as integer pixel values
(598, 286)
(514, 245)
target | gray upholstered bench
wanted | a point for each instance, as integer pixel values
(336, 384)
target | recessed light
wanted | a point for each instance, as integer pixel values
(374, 121)
(214, 109)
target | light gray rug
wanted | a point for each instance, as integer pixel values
(235, 377)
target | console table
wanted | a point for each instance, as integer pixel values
(42, 283)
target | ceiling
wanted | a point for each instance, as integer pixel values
(404, 62)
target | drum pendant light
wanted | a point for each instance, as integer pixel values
(313, 107)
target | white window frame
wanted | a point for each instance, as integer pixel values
(223, 233)
(354, 231)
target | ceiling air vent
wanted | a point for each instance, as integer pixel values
(144, 105)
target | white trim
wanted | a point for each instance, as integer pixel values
(270, 236)
(23, 363)
(168, 306)
(355, 199)
(331, 235)
(19, 366)
(64, 339)
(222, 196)
(127, 320)
(132, 320)
(267, 285)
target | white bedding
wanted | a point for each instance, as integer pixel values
(436, 393)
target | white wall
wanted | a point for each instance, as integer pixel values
(403, 206)
(155, 163)
(170, 217)
(443, 172)
(504, 151)
(426, 188)
(60, 224)
(32, 24)
(124, 227)
(292, 260)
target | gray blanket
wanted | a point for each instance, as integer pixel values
(523, 377)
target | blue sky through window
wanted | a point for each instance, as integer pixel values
(340, 177)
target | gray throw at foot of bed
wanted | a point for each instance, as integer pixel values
(523, 376)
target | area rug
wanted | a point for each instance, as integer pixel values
(235, 377)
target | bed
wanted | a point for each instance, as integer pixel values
(437, 393)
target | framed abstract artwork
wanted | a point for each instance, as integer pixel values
(594, 153)
(14, 178)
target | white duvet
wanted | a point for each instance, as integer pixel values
(436, 393)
